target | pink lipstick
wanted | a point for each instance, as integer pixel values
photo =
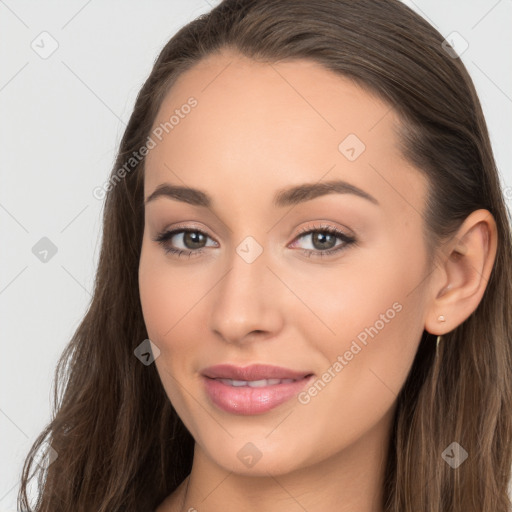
(253, 389)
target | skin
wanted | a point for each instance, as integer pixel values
(259, 128)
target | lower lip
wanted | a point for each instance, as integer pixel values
(247, 400)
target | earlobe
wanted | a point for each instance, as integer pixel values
(462, 276)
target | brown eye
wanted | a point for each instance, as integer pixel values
(194, 239)
(323, 241)
(183, 241)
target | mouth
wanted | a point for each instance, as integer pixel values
(254, 372)
(254, 389)
(255, 383)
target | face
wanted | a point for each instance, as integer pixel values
(303, 250)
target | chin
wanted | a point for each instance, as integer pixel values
(260, 456)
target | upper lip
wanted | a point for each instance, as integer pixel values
(252, 372)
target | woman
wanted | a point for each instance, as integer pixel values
(303, 291)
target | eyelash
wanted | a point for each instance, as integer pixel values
(163, 237)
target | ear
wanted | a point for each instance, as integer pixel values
(459, 281)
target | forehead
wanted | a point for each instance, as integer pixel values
(261, 123)
(286, 98)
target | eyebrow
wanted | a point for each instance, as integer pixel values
(287, 197)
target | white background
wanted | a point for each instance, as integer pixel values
(62, 120)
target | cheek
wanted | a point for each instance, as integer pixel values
(173, 302)
(167, 293)
(366, 288)
(376, 319)
(167, 297)
(371, 310)
(157, 300)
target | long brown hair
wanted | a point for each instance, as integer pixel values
(120, 443)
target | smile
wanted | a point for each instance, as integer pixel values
(253, 389)
(255, 383)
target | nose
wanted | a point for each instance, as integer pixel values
(246, 303)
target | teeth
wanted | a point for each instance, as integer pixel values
(255, 383)
(272, 382)
(263, 382)
(238, 383)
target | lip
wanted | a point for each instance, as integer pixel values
(252, 372)
(247, 400)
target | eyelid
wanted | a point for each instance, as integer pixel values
(302, 231)
(189, 227)
(347, 239)
(325, 227)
